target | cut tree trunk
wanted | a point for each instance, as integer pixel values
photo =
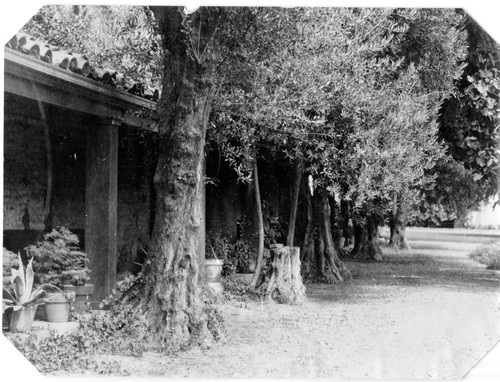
(294, 202)
(397, 225)
(260, 220)
(366, 245)
(285, 283)
(171, 300)
(319, 249)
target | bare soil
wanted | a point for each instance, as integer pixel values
(425, 313)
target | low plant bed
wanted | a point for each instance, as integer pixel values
(488, 254)
(83, 296)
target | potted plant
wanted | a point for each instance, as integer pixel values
(216, 244)
(21, 300)
(58, 306)
(213, 269)
(59, 261)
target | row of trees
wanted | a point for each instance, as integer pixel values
(350, 98)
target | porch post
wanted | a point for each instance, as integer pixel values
(101, 188)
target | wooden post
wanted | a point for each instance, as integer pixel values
(101, 188)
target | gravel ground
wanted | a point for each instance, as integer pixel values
(425, 313)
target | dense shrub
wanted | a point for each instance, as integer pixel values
(488, 254)
(236, 288)
(217, 246)
(242, 254)
(236, 256)
(58, 259)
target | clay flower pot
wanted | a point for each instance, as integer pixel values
(22, 319)
(58, 306)
(213, 269)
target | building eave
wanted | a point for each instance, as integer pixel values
(31, 78)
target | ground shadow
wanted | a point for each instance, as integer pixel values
(425, 265)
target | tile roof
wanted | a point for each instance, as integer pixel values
(78, 63)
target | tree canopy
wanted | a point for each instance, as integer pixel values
(468, 127)
(355, 92)
(121, 38)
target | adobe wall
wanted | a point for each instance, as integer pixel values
(223, 205)
(136, 163)
(25, 182)
(25, 187)
(24, 173)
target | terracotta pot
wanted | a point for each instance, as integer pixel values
(22, 319)
(213, 269)
(57, 307)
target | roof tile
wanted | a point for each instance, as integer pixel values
(78, 63)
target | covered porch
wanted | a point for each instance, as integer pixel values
(96, 115)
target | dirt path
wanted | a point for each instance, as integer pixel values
(427, 313)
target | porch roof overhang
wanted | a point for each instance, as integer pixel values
(34, 79)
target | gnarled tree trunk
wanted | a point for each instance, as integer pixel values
(176, 316)
(366, 245)
(319, 249)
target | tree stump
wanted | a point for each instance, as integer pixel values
(285, 283)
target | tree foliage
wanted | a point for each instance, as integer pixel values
(468, 127)
(121, 38)
(346, 90)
